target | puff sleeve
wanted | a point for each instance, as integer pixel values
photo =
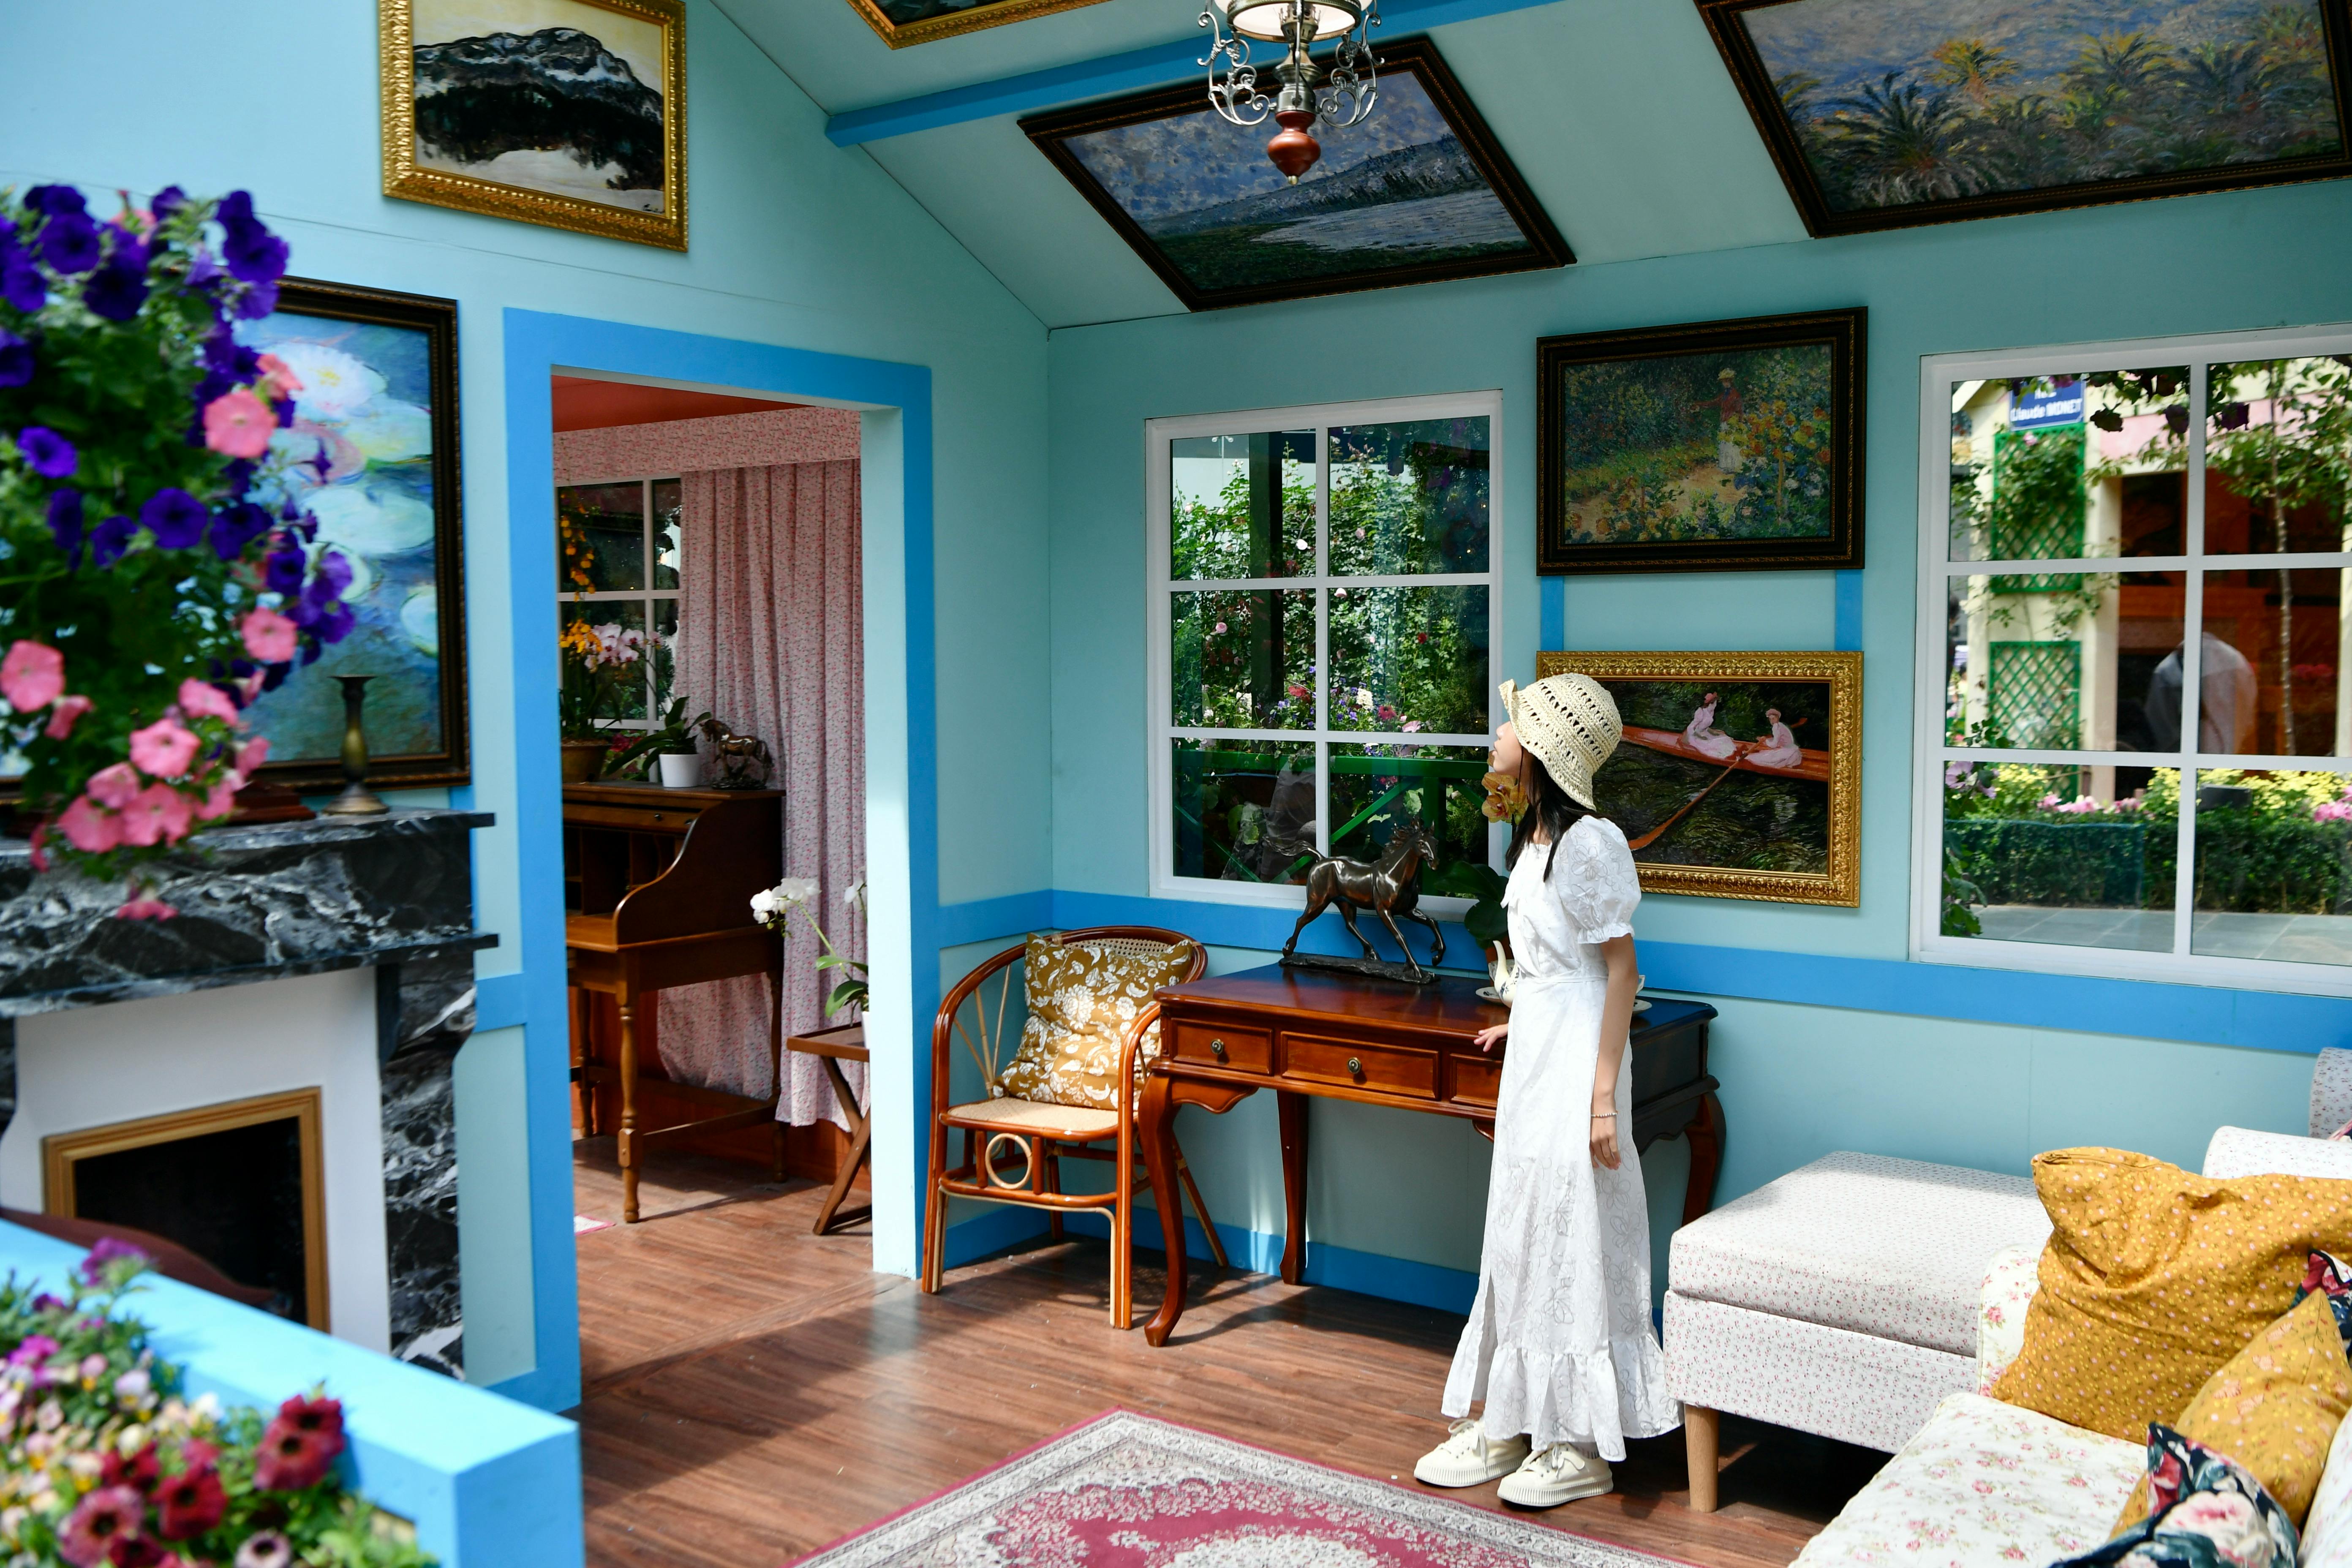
(1596, 881)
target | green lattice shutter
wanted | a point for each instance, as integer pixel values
(2035, 693)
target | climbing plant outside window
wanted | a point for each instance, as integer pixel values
(618, 559)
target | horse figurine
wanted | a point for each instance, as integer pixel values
(1389, 888)
(740, 762)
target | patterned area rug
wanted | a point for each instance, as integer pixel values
(1127, 1491)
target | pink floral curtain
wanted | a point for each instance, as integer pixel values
(771, 639)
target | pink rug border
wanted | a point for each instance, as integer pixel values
(1077, 1426)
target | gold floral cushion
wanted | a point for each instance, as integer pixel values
(1081, 1000)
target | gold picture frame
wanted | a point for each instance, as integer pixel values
(971, 19)
(60, 1152)
(1775, 812)
(563, 198)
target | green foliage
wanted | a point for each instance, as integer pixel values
(673, 734)
(1959, 893)
(1485, 920)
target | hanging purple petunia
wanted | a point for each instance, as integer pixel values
(46, 452)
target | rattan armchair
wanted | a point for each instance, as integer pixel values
(995, 1129)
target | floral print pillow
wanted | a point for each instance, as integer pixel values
(1081, 1001)
(2206, 1512)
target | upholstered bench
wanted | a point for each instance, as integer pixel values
(1840, 1299)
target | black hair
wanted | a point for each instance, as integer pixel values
(1548, 807)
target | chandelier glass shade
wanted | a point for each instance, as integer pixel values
(1335, 92)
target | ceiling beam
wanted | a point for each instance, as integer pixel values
(1158, 65)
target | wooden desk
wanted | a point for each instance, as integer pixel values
(844, 1043)
(1303, 1033)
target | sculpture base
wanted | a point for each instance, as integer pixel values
(1379, 968)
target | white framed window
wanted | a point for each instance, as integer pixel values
(2134, 752)
(618, 565)
(1325, 619)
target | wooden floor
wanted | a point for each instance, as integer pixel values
(753, 1391)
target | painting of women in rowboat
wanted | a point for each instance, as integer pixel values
(1738, 773)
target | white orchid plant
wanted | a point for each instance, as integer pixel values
(772, 907)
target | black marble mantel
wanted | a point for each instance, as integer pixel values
(392, 892)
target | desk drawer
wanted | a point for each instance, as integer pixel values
(1222, 1045)
(630, 819)
(1476, 1079)
(1390, 1069)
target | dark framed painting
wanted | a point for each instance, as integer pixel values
(1739, 776)
(1418, 192)
(1711, 447)
(1886, 113)
(899, 23)
(379, 404)
(565, 113)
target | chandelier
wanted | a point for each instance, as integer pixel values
(1340, 94)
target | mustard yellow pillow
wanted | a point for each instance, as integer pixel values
(2154, 1278)
(2275, 1408)
(1081, 1000)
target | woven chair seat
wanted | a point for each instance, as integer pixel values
(1071, 1123)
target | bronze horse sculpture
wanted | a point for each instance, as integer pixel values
(1389, 887)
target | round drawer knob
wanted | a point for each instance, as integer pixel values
(1217, 1050)
(1356, 1066)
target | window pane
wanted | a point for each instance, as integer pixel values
(1242, 658)
(2058, 855)
(1408, 659)
(608, 521)
(1374, 787)
(1243, 810)
(628, 681)
(2274, 866)
(2274, 444)
(2082, 667)
(665, 654)
(2052, 468)
(669, 531)
(2274, 643)
(1242, 506)
(1409, 498)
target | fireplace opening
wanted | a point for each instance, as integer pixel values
(238, 1184)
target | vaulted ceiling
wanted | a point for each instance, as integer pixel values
(1619, 114)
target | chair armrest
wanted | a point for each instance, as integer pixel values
(2011, 1281)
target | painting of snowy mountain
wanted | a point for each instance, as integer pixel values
(1418, 190)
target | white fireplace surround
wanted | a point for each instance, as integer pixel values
(128, 1059)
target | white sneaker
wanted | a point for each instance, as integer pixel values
(1556, 1475)
(1468, 1458)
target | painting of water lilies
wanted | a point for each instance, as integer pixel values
(1704, 447)
(1419, 190)
(1887, 112)
(374, 442)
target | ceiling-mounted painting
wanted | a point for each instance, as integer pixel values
(1885, 113)
(903, 22)
(1418, 192)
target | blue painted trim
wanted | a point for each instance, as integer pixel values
(1156, 65)
(2201, 1014)
(488, 1483)
(501, 1002)
(1551, 597)
(1003, 1227)
(983, 919)
(1848, 636)
(535, 344)
(1340, 1268)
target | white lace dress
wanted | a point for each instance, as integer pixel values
(1560, 1343)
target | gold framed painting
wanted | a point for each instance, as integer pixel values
(1741, 773)
(903, 22)
(565, 113)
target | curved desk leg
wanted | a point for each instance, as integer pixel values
(1155, 1128)
(1705, 1134)
(1291, 1112)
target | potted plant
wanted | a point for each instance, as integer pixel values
(598, 664)
(773, 909)
(667, 749)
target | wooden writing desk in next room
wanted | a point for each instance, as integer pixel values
(1304, 1032)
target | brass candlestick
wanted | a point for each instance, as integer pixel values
(357, 799)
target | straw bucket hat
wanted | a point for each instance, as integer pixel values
(1570, 723)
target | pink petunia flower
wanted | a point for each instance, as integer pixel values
(268, 636)
(113, 786)
(32, 676)
(252, 754)
(278, 380)
(221, 799)
(238, 425)
(40, 852)
(164, 749)
(198, 701)
(63, 715)
(145, 906)
(156, 815)
(89, 828)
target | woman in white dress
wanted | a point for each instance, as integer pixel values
(1701, 735)
(1560, 1343)
(1782, 750)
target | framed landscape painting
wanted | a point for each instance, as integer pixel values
(903, 22)
(1739, 776)
(1418, 192)
(1884, 114)
(378, 409)
(566, 113)
(1705, 447)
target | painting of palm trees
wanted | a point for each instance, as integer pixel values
(1882, 113)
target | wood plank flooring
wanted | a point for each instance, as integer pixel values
(753, 1391)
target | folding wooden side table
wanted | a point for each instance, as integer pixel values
(845, 1043)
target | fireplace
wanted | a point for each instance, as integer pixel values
(240, 1184)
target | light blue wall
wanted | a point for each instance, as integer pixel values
(795, 242)
(1808, 1071)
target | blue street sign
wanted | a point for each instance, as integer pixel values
(2045, 407)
